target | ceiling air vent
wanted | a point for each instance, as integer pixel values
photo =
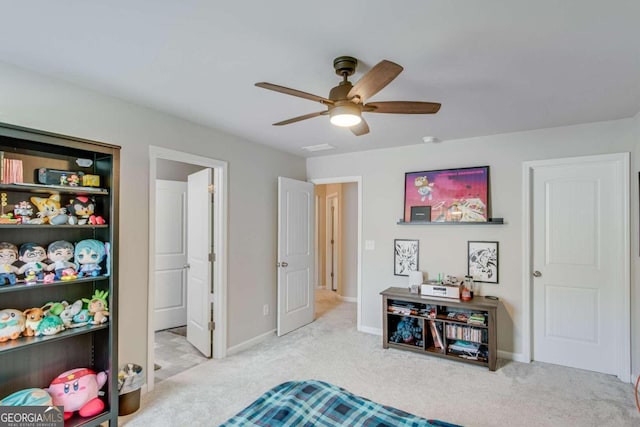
(319, 147)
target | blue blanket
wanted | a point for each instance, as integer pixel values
(316, 403)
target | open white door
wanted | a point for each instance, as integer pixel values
(295, 254)
(199, 255)
(170, 254)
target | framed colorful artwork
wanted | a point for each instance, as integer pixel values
(453, 195)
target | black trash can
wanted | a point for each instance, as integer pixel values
(130, 380)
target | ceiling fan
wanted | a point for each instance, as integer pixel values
(346, 102)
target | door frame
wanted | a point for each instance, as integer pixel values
(623, 338)
(358, 181)
(332, 251)
(220, 174)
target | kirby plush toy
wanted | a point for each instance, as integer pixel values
(77, 390)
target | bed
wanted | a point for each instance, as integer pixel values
(316, 403)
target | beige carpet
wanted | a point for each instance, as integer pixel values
(330, 349)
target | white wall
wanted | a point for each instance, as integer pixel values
(31, 100)
(444, 248)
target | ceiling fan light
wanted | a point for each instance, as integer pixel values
(345, 115)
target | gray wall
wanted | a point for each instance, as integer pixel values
(31, 100)
(444, 248)
(175, 171)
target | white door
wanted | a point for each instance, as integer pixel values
(171, 254)
(579, 292)
(295, 254)
(199, 251)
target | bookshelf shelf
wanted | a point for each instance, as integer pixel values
(490, 221)
(441, 336)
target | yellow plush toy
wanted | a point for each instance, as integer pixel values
(49, 210)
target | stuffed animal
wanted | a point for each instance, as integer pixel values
(88, 255)
(33, 256)
(54, 308)
(69, 313)
(77, 390)
(28, 397)
(50, 325)
(97, 307)
(24, 211)
(8, 271)
(33, 318)
(408, 331)
(12, 323)
(49, 211)
(81, 318)
(82, 208)
(60, 253)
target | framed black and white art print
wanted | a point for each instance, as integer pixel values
(482, 261)
(405, 256)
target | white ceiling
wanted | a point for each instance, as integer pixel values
(496, 66)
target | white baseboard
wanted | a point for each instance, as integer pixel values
(348, 299)
(370, 330)
(516, 357)
(249, 343)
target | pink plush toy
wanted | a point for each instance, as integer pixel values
(77, 390)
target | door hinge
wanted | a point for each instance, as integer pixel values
(211, 189)
(212, 257)
(212, 326)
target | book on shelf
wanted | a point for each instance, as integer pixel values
(477, 319)
(402, 310)
(10, 170)
(435, 333)
(467, 333)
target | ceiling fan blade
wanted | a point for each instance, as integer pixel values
(300, 118)
(361, 128)
(378, 77)
(402, 107)
(295, 92)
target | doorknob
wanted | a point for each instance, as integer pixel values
(283, 264)
(186, 266)
(537, 274)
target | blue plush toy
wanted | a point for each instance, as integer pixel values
(408, 331)
(50, 325)
(88, 255)
(28, 397)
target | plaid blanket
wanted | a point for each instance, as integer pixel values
(316, 403)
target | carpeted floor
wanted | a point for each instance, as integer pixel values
(330, 349)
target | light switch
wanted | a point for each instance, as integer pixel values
(369, 245)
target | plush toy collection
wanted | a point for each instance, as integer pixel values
(78, 211)
(54, 317)
(75, 390)
(62, 260)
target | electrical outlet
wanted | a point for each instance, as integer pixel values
(265, 309)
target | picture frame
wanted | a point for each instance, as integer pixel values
(453, 195)
(482, 261)
(405, 256)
